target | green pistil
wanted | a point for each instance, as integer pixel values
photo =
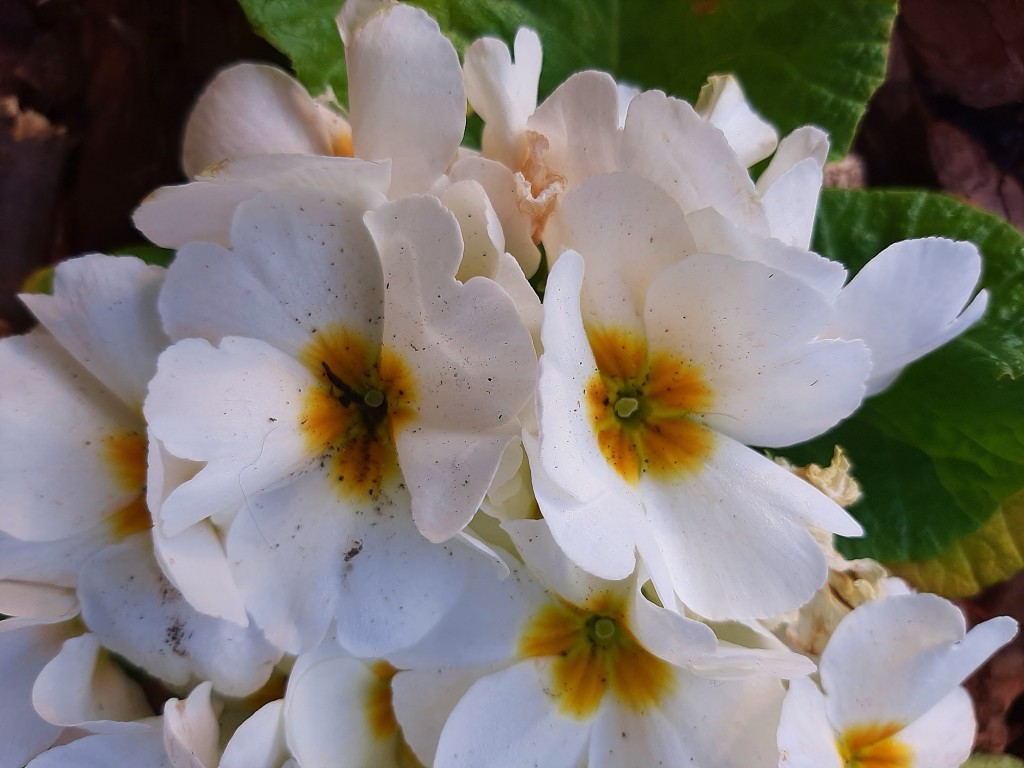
(374, 398)
(602, 630)
(626, 407)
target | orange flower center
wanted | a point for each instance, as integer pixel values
(366, 394)
(642, 407)
(126, 455)
(874, 746)
(593, 653)
(380, 712)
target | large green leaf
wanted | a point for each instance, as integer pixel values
(939, 451)
(800, 61)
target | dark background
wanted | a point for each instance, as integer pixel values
(94, 95)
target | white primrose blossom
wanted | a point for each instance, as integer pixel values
(76, 529)
(583, 671)
(654, 378)
(344, 406)
(890, 695)
(255, 129)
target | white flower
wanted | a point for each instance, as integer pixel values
(255, 129)
(890, 676)
(78, 529)
(589, 672)
(338, 713)
(653, 380)
(910, 299)
(355, 387)
(532, 155)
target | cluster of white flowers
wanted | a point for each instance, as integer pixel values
(338, 489)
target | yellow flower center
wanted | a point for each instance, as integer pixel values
(594, 653)
(126, 456)
(874, 746)
(381, 714)
(366, 394)
(642, 407)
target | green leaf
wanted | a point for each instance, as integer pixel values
(989, 555)
(151, 254)
(939, 451)
(800, 61)
(993, 761)
(304, 30)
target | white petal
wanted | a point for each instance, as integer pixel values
(286, 551)
(500, 186)
(599, 534)
(400, 587)
(328, 717)
(472, 361)
(627, 230)
(802, 144)
(504, 93)
(806, 739)
(355, 13)
(82, 685)
(423, 701)
(723, 104)
(943, 736)
(625, 739)
(191, 730)
(750, 331)
(908, 300)
(894, 659)
(25, 648)
(737, 508)
(727, 724)
(28, 600)
(668, 143)
(483, 625)
(202, 210)
(236, 407)
(668, 634)
(406, 96)
(252, 109)
(195, 562)
(103, 311)
(569, 449)
(510, 276)
(580, 122)
(259, 741)
(508, 720)
(625, 94)
(791, 202)
(300, 264)
(484, 242)
(59, 424)
(747, 649)
(716, 234)
(544, 558)
(136, 613)
(139, 750)
(37, 578)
